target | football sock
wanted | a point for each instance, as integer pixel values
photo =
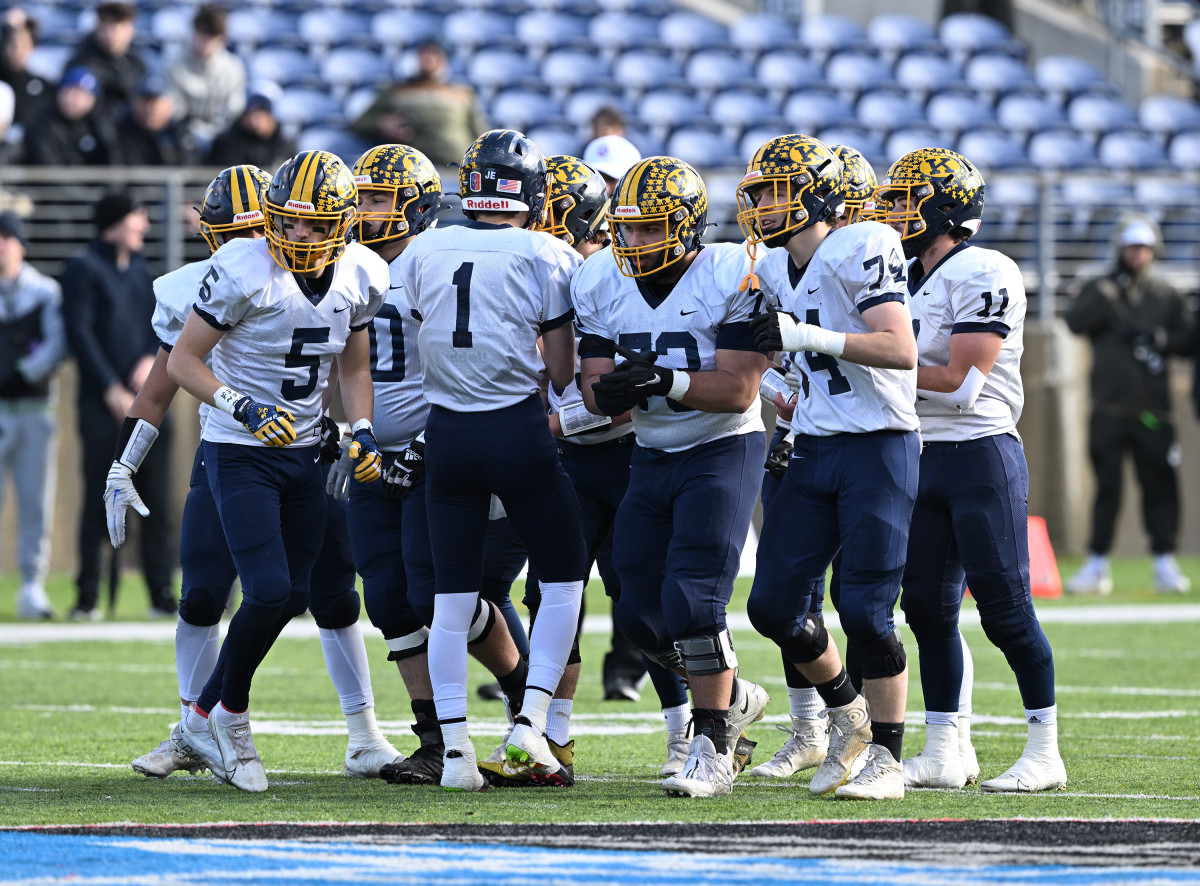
(838, 692)
(677, 717)
(455, 738)
(941, 718)
(968, 678)
(196, 651)
(346, 661)
(225, 717)
(513, 686)
(805, 704)
(452, 614)
(195, 720)
(1043, 731)
(553, 633)
(423, 709)
(363, 730)
(536, 707)
(890, 736)
(668, 685)
(558, 720)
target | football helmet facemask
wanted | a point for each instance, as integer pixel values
(858, 180)
(659, 192)
(940, 190)
(794, 175)
(415, 187)
(233, 202)
(575, 207)
(503, 171)
(316, 189)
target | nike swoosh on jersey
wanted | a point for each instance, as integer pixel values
(343, 308)
(811, 291)
(687, 313)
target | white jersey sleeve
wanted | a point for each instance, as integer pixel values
(854, 269)
(174, 295)
(400, 405)
(703, 313)
(279, 339)
(484, 294)
(972, 290)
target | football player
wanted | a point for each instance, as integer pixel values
(484, 293)
(678, 315)
(232, 208)
(852, 477)
(401, 194)
(274, 314)
(971, 514)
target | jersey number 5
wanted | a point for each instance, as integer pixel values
(297, 359)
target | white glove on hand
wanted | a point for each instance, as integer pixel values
(340, 473)
(119, 494)
(794, 382)
(799, 337)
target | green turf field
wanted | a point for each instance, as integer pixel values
(75, 713)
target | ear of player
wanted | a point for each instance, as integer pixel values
(791, 183)
(927, 193)
(364, 452)
(414, 184)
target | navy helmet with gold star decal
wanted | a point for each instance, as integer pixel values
(859, 182)
(791, 183)
(938, 190)
(232, 203)
(659, 191)
(316, 188)
(575, 208)
(414, 184)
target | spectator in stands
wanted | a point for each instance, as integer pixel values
(611, 156)
(18, 37)
(427, 112)
(107, 52)
(148, 135)
(255, 138)
(108, 299)
(1135, 323)
(32, 344)
(69, 130)
(608, 121)
(209, 80)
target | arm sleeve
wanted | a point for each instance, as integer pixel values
(41, 362)
(80, 308)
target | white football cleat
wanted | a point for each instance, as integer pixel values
(881, 779)
(165, 759)
(749, 706)
(805, 748)
(705, 774)
(1168, 579)
(241, 765)
(677, 752)
(1030, 774)
(198, 746)
(366, 762)
(460, 773)
(1093, 577)
(528, 752)
(940, 764)
(966, 752)
(33, 604)
(849, 737)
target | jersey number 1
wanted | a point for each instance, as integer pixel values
(462, 304)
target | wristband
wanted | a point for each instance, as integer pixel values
(824, 341)
(962, 399)
(226, 399)
(575, 419)
(680, 382)
(137, 436)
(360, 424)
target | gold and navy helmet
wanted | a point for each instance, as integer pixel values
(858, 180)
(942, 191)
(503, 171)
(661, 191)
(233, 202)
(414, 184)
(575, 208)
(793, 174)
(314, 187)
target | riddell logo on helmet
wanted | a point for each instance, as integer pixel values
(299, 204)
(627, 210)
(362, 180)
(253, 215)
(495, 204)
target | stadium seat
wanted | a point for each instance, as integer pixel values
(172, 25)
(1131, 150)
(490, 70)
(761, 32)
(1095, 115)
(583, 104)
(616, 32)
(524, 109)
(654, 8)
(351, 67)
(48, 62)
(640, 70)
(358, 101)
(703, 148)
(1184, 151)
(1026, 114)
(807, 111)
(337, 141)
(921, 74)
(646, 141)
(955, 112)
(1064, 76)
(993, 149)
(300, 108)
(992, 75)
(1091, 202)
(853, 73)
(686, 32)
(735, 110)
(248, 29)
(867, 144)
(827, 34)
(1166, 115)
(710, 71)
(912, 138)
(781, 73)
(397, 29)
(320, 28)
(568, 70)
(57, 24)
(883, 111)
(968, 33)
(282, 66)
(542, 31)
(553, 140)
(662, 110)
(1165, 195)
(755, 137)
(894, 34)
(468, 30)
(1058, 149)
(1010, 199)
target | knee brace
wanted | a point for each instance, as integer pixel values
(811, 643)
(408, 645)
(337, 612)
(881, 656)
(707, 653)
(668, 658)
(202, 607)
(482, 622)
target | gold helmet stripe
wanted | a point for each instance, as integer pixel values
(240, 193)
(372, 157)
(628, 195)
(302, 188)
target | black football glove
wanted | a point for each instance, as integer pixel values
(331, 436)
(777, 461)
(767, 335)
(632, 382)
(406, 471)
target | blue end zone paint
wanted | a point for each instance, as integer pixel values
(28, 858)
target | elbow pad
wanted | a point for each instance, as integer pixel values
(966, 395)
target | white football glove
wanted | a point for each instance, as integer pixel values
(119, 495)
(340, 473)
(793, 381)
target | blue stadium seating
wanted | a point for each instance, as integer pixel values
(493, 69)
(1026, 114)
(556, 140)
(808, 111)
(321, 28)
(1166, 115)
(703, 148)
(337, 141)
(48, 62)
(663, 110)
(759, 33)
(687, 32)
(895, 34)
(567, 70)
(966, 34)
(1184, 151)
(1056, 149)
(711, 71)
(1065, 76)
(583, 104)
(468, 30)
(298, 108)
(524, 109)
(882, 111)
(736, 110)
(398, 29)
(921, 74)
(992, 75)
(615, 32)
(781, 73)
(825, 35)
(902, 141)
(993, 149)
(249, 29)
(1132, 151)
(1095, 115)
(351, 67)
(640, 70)
(853, 73)
(171, 25)
(543, 31)
(869, 145)
(283, 66)
(955, 113)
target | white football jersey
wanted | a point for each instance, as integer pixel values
(278, 345)
(854, 269)
(972, 290)
(571, 396)
(400, 404)
(484, 294)
(684, 329)
(174, 295)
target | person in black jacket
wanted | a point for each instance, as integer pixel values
(148, 135)
(255, 138)
(68, 130)
(108, 300)
(18, 37)
(106, 52)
